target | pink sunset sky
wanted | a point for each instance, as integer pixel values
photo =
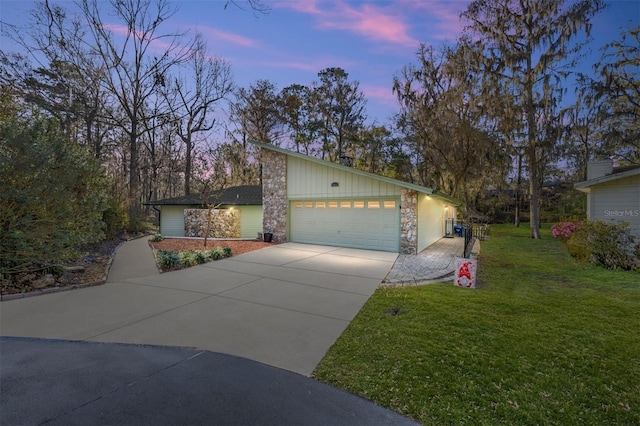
(371, 40)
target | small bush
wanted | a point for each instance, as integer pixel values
(168, 259)
(187, 258)
(564, 230)
(200, 257)
(226, 251)
(215, 254)
(157, 238)
(607, 244)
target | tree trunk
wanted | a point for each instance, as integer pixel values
(518, 186)
(534, 207)
(134, 179)
(187, 166)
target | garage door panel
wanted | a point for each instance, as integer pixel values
(339, 223)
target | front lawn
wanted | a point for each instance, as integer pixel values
(543, 340)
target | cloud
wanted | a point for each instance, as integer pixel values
(445, 14)
(382, 94)
(378, 23)
(229, 37)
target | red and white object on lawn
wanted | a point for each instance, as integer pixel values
(465, 272)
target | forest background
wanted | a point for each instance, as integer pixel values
(105, 107)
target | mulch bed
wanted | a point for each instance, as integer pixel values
(92, 267)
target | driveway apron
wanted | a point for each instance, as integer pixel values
(283, 306)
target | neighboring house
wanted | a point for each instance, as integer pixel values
(309, 200)
(247, 199)
(613, 193)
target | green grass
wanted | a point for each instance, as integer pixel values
(543, 340)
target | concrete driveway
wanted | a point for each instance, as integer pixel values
(283, 306)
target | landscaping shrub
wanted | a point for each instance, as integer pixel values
(607, 244)
(168, 259)
(187, 258)
(200, 257)
(157, 238)
(226, 251)
(215, 253)
(564, 230)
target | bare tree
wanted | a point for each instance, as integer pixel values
(192, 99)
(137, 57)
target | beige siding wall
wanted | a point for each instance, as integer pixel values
(250, 221)
(307, 180)
(172, 221)
(617, 200)
(430, 221)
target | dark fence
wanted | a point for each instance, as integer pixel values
(468, 240)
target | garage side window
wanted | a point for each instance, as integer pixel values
(389, 204)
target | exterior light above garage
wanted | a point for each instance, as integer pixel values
(335, 184)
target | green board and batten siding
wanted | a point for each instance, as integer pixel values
(172, 221)
(306, 179)
(250, 221)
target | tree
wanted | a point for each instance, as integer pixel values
(300, 116)
(53, 195)
(443, 118)
(66, 81)
(617, 89)
(193, 100)
(341, 107)
(583, 131)
(134, 76)
(255, 112)
(529, 47)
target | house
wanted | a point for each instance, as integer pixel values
(309, 200)
(246, 199)
(613, 193)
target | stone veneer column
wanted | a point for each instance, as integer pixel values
(274, 194)
(408, 221)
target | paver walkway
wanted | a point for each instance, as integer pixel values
(436, 263)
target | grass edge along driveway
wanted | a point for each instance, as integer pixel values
(543, 340)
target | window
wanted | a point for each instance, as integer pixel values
(320, 205)
(373, 204)
(389, 204)
(345, 204)
(297, 205)
(308, 204)
(358, 204)
(333, 204)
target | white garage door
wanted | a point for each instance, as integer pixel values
(367, 224)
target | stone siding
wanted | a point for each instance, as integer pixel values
(225, 223)
(408, 221)
(274, 194)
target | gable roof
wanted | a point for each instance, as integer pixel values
(619, 173)
(418, 188)
(244, 195)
